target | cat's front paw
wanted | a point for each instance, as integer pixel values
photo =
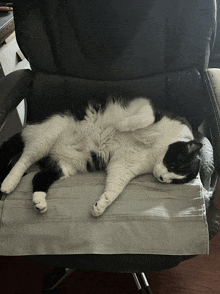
(97, 209)
(39, 200)
(8, 185)
(104, 201)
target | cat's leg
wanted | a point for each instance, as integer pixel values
(41, 184)
(118, 176)
(28, 157)
(38, 140)
(135, 122)
(141, 118)
(15, 175)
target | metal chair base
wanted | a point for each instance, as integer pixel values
(53, 279)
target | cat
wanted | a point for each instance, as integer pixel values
(126, 139)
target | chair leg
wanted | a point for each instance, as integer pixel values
(137, 283)
(146, 284)
(147, 289)
(53, 279)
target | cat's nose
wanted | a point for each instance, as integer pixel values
(161, 178)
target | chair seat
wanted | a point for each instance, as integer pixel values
(153, 218)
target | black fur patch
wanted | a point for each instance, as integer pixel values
(79, 111)
(158, 116)
(47, 163)
(98, 101)
(10, 148)
(95, 163)
(181, 161)
(50, 172)
(160, 113)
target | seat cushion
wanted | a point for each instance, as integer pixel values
(149, 218)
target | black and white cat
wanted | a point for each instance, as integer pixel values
(126, 140)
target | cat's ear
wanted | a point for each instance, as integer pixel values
(193, 146)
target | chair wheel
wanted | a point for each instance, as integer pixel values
(52, 278)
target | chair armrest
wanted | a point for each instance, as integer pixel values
(13, 89)
(212, 78)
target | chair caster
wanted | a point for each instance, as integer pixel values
(147, 289)
(51, 280)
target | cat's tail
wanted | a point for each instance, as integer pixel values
(8, 150)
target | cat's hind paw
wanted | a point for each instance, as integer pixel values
(39, 200)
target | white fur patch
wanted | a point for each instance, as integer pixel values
(162, 175)
(39, 199)
(138, 115)
(100, 206)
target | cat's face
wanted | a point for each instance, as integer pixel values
(180, 163)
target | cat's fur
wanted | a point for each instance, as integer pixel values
(126, 140)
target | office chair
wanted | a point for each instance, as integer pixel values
(83, 49)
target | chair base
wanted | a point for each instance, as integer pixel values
(53, 279)
(146, 289)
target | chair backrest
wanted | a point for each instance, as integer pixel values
(123, 43)
(215, 56)
(114, 39)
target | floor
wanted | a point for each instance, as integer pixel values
(19, 275)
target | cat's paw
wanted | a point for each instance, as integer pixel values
(39, 200)
(8, 185)
(100, 206)
(97, 209)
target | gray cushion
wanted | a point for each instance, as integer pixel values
(148, 217)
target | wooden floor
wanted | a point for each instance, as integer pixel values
(201, 274)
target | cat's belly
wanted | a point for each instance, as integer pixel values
(88, 148)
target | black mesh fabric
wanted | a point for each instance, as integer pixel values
(152, 48)
(114, 39)
(183, 92)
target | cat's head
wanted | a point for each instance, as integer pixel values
(180, 164)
